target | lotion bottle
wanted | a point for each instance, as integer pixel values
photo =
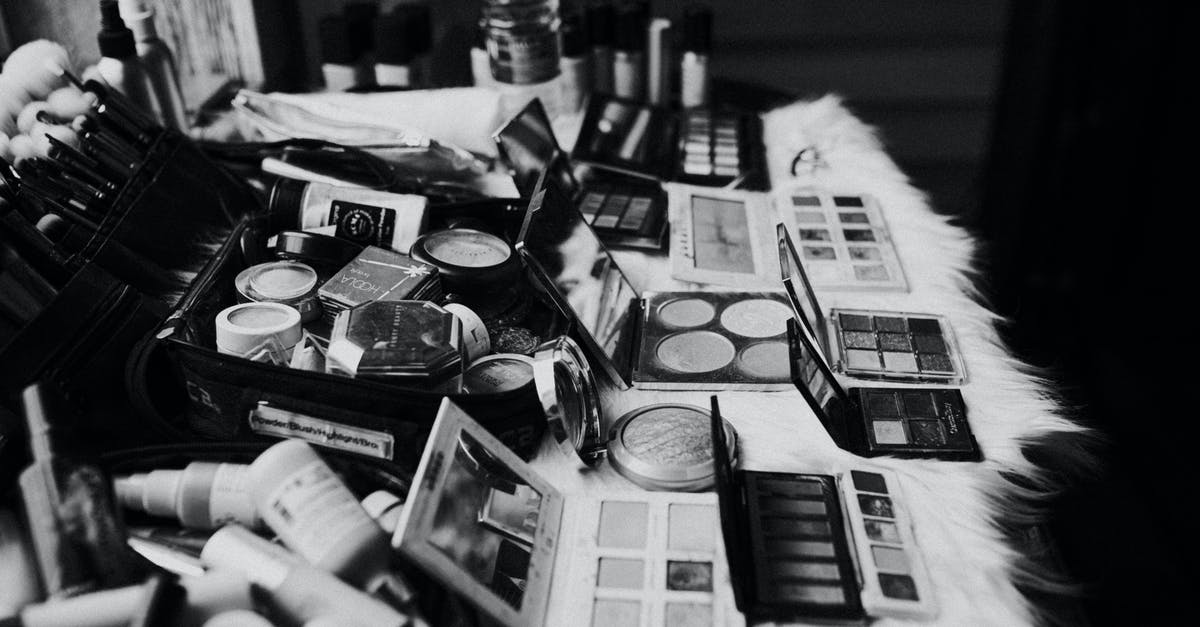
(203, 495)
(119, 65)
(315, 514)
(157, 62)
(361, 215)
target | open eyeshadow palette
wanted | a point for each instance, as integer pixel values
(726, 237)
(625, 211)
(871, 344)
(664, 340)
(819, 547)
(698, 146)
(486, 525)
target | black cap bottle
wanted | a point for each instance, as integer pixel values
(119, 65)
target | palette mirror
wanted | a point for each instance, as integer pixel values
(660, 340)
(486, 525)
(884, 345)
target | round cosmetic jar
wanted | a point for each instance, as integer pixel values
(666, 447)
(479, 269)
(498, 373)
(243, 327)
(286, 282)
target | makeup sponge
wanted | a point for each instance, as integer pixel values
(28, 66)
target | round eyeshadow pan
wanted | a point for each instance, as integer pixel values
(695, 351)
(685, 313)
(756, 318)
(767, 360)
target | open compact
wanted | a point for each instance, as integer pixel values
(486, 525)
(664, 447)
(663, 340)
(479, 269)
(624, 210)
(871, 344)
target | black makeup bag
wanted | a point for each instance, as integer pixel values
(186, 389)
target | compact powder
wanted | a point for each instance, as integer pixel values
(674, 436)
(765, 359)
(467, 248)
(756, 318)
(686, 312)
(695, 351)
(498, 373)
(283, 279)
(258, 318)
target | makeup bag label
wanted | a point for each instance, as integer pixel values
(281, 423)
(364, 224)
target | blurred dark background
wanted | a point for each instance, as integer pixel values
(1054, 130)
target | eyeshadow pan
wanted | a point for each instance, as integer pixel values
(695, 351)
(890, 559)
(924, 325)
(852, 322)
(791, 527)
(868, 481)
(900, 362)
(810, 217)
(609, 612)
(848, 201)
(687, 312)
(800, 548)
(821, 571)
(820, 235)
(871, 273)
(621, 573)
(930, 344)
(799, 507)
(690, 576)
(927, 432)
(889, 432)
(864, 253)
(894, 342)
(758, 317)
(806, 201)
(898, 587)
(878, 506)
(859, 339)
(882, 404)
(858, 235)
(821, 253)
(854, 218)
(690, 527)
(890, 324)
(789, 488)
(623, 524)
(766, 360)
(689, 615)
(808, 593)
(881, 531)
(917, 404)
(863, 360)
(935, 363)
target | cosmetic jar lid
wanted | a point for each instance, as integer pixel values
(468, 257)
(631, 28)
(697, 28)
(316, 249)
(245, 326)
(570, 398)
(667, 447)
(499, 373)
(335, 43)
(286, 197)
(397, 339)
(276, 281)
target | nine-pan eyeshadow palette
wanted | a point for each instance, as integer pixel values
(715, 147)
(895, 581)
(843, 240)
(891, 345)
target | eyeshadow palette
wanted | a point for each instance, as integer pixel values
(699, 146)
(843, 239)
(625, 211)
(665, 340)
(895, 582)
(486, 525)
(871, 344)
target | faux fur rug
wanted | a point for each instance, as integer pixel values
(956, 507)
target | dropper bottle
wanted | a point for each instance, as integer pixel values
(119, 65)
(157, 62)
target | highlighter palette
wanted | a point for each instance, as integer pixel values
(895, 581)
(842, 240)
(487, 526)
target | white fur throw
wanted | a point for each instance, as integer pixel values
(955, 506)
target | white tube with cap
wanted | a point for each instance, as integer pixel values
(298, 591)
(203, 495)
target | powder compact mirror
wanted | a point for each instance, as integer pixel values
(883, 345)
(486, 525)
(663, 340)
(659, 447)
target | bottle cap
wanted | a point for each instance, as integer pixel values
(631, 28)
(600, 22)
(335, 45)
(394, 40)
(574, 36)
(116, 41)
(697, 28)
(139, 16)
(360, 27)
(286, 196)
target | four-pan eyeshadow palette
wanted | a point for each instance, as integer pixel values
(895, 581)
(487, 526)
(843, 240)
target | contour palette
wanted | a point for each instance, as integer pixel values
(486, 525)
(842, 239)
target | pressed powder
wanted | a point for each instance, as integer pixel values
(686, 313)
(243, 327)
(665, 447)
(765, 359)
(498, 373)
(756, 318)
(695, 351)
(287, 282)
